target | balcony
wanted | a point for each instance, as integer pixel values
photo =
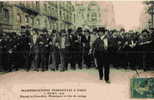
(66, 22)
(52, 18)
(28, 10)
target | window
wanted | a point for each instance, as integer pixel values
(53, 11)
(49, 12)
(30, 20)
(1, 6)
(54, 26)
(33, 4)
(74, 17)
(37, 22)
(33, 21)
(46, 24)
(50, 25)
(19, 18)
(6, 13)
(60, 13)
(37, 3)
(45, 7)
(94, 17)
(26, 19)
(63, 16)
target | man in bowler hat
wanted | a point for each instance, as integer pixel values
(101, 54)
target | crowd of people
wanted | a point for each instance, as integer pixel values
(38, 49)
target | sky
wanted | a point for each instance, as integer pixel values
(127, 13)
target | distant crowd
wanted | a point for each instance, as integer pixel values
(41, 50)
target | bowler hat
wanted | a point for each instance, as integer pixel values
(95, 29)
(102, 29)
(79, 29)
(54, 31)
(145, 30)
(69, 30)
(23, 27)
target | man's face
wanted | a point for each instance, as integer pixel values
(33, 32)
(45, 32)
(100, 34)
(41, 32)
(82, 33)
(141, 37)
(126, 43)
(85, 33)
(122, 31)
(106, 32)
(63, 35)
(114, 35)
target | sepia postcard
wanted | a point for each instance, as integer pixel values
(77, 50)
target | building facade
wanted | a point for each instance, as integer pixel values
(147, 15)
(53, 15)
(36, 14)
(151, 14)
(94, 13)
(87, 14)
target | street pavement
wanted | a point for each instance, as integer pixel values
(84, 84)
